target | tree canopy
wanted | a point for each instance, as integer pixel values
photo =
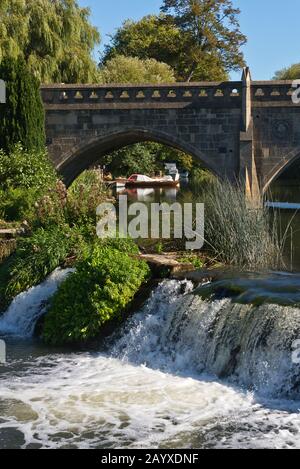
(54, 37)
(150, 37)
(141, 157)
(121, 69)
(200, 39)
(288, 73)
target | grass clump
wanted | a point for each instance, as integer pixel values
(237, 232)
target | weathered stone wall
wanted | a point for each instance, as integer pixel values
(276, 129)
(203, 121)
(246, 129)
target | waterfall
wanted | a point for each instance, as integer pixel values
(180, 332)
(21, 317)
(158, 383)
(249, 345)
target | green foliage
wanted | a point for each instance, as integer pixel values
(199, 39)
(145, 158)
(17, 204)
(26, 169)
(193, 259)
(35, 258)
(210, 35)
(62, 225)
(126, 245)
(83, 198)
(33, 193)
(121, 69)
(22, 116)
(103, 285)
(201, 176)
(288, 73)
(159, 247)
(24, 177)
(150, 37)
(55, 38)
(138, 158)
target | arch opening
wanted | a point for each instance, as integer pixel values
(91, 152)
(287, 169)
(284, 186)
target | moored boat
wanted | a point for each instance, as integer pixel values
(140, 180)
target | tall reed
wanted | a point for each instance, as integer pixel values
(238, 232)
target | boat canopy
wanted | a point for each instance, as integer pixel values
(139, 178)
(143, 178)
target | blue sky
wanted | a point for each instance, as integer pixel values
(272, 27)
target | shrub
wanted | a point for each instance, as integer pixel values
(103, 285)
(126, 245)
(35, 258)
(83, 198)
(26, 169)
(7, 246)
(24, 177)
(17, 204)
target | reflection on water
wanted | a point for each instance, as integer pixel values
(150, 195)
(284, 199)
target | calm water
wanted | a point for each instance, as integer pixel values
(192, 369)
(287, 192)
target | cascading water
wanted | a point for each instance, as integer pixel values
(183, 372)
(28, 307)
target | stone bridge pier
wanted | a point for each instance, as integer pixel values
(246, 130)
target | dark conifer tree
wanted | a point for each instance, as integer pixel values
(22, 118)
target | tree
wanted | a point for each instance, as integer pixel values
(289, 73)
(150, 37)
(121, 69)
(210, 29)
(141, 157)
(22, 117)
(55, 38)
(146, 158)
(200, 39)
(138, 158)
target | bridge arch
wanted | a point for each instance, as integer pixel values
(280, 168)
(90, 150)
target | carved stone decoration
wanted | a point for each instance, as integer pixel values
(281, 130)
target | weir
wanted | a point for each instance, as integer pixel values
(180, 331)
(184, 370)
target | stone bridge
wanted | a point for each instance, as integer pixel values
(244, 130)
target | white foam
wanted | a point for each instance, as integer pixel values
(86, 401)
(151, 390)
(27, 308)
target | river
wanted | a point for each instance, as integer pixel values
(186, 371)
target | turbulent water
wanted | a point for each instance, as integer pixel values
(183, 372)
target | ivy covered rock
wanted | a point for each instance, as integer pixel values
(105, 282)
